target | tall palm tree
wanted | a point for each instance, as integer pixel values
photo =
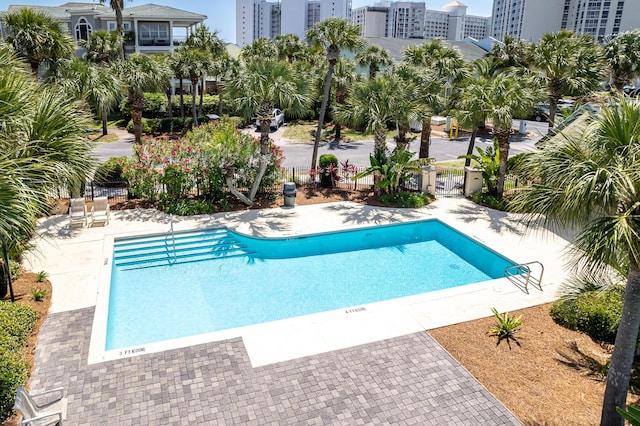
(117, 6)
(567, 64)
(590, 179)
(622, 54)
(209, 43)
(332, 35)
(37, 37)
(373, 57)
(262, 49)
(507, 95)
(179, 65)
(140, 73)
(42, 146)
(510, 53)
(290, 48)
(258, 89)
(102, 46)
(343, 78)
(98, 85)
(198, 63)
(443, 69)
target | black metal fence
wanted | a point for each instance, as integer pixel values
(449, 183)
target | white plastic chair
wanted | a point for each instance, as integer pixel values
(100, 210)
(77, 212)
(52, 412)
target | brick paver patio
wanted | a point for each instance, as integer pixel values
(404, 380)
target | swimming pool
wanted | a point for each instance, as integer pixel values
(216, 279)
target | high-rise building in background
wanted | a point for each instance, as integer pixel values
(531, 19)
(413, 20)
(262, 18)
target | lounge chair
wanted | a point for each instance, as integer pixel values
(52, 412)
(77, 212)
(100, 210)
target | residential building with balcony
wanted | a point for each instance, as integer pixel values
(408, 20)
(531, 19)
(262, 18)
(148, 28)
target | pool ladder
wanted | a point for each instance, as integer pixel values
(173, 235)
(521, 275)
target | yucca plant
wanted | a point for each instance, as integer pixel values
(39, 294)
(505, 326)
(41, 276)
(632, 414)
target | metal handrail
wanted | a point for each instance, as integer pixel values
(173, 235)
(521, 275)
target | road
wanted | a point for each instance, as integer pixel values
(357, 153)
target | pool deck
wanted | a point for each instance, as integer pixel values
(375, 365)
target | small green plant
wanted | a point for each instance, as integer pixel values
(632, 414)
(41, 276)
(39, 294)
(405, 199)
(505, 326)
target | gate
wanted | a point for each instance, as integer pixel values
(449, 182)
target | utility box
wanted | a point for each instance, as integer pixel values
(523, 127)
(428, 180)
(289, 192)
(472, 180)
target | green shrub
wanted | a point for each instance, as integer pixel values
(405, 199)
(185, 206)
(595, 313)
(489, 200)
(16, 322)
(109, 171)
(14, 269)
(326, 160)
(505, 325)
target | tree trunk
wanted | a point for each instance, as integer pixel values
(401, 139)
(553, 104)
(194, 111)
(137, 106)
(503, 144)
(228, 177)
(425, 138)
(338, 133)
(118, 11)
(472, 142)
(104, 122)
(202, 96)
(181, 98)
(323, 110)
(169, 110)
(619, 374)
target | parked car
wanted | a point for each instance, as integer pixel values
(541, 112)
(276, 121)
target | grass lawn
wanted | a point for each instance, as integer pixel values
(304, 132)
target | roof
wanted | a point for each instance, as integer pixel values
(154, 11)
(146, 11)
(396, 47)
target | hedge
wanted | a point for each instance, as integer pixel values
(16, 322)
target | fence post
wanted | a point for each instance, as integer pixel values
(91, 189)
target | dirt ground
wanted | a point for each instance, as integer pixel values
(547, 376)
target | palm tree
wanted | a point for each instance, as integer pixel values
(222, 69)
(140, 73)
(42, 146)
(37, 37)
(262, 49)
(510, 53)
(179, 67)
(332, 35)
(98, 85)
(343, 78)
(290, 48)
(118, 6)
(198, 63)
(567, 64)
(590, 179)
(506, 95)
(208, 42)
(622, 54)
(258, 89)
(442, 69)
(102, 46)
(373, 57)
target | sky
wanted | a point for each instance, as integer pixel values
(221, 13)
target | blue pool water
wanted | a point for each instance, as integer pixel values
(215, 279)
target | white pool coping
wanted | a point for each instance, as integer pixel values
(78, 262)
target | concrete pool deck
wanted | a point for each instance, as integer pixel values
(324, 345)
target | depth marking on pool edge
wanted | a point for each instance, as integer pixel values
(354, 310)
(131, 351)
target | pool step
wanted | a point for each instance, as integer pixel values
(162, 250)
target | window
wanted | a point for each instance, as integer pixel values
(126, 26)
(83, 29)
(154, 31)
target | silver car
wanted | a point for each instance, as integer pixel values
(276, 121)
